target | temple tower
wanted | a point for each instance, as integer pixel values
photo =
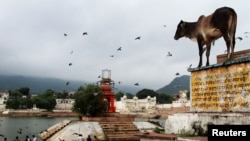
(106, 85)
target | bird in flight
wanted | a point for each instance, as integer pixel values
(111, 55)
(169, 54)
(77, 134)
(138, 38)
(65, 34)
(71, 52)
(164, 26)
(190, 66)
(119, 49)
(70, 64)
(67, 83)
(85, 33)
(19, 131)
(136, 84)
(177, 73)
(239, 38)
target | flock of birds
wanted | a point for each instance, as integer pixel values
(70, 64)
(118, 49)
(169, 54)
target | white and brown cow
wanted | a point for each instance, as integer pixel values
(221, 23)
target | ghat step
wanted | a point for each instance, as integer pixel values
(118, 131)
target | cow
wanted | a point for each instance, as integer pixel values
(221, 23)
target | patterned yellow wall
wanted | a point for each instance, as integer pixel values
(223, 88)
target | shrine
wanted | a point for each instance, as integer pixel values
(106, 85)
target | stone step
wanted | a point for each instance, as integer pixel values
(116, 126)
(118, 131)
(125, 138)
(122, 134)
(115, 122)
(125, 130)
(119, 127)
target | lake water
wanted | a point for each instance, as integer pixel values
(9, 126)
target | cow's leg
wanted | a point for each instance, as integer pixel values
(208, 54)
(229, 45)
(232, 45)
(200, 55)
(200, 46)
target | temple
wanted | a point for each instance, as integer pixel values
(106, 85)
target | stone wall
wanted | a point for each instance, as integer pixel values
(239, 54)
(180, 122)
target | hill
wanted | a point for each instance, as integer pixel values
(179, 83)
(36, 84)
(39, 85)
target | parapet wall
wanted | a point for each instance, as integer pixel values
(179, 122)
(221, 87)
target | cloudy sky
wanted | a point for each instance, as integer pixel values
(32, 41)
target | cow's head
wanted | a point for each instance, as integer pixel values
(181, 30)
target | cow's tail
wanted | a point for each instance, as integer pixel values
(232, 31)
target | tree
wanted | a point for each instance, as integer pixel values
(14, 94)
(129, 95)
(12, 104)
(119, 95)
(16, 99)
(88, 101)
(144, 93)
(62, 95)
(160, 98)
(25, 91)
(164, 98)
(46, 100)
(188, 95)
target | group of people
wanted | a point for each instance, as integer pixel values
(27, 138)
(33, 138)
(80, 138)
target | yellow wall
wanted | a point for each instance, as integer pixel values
(223, 88)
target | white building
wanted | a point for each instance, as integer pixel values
(136, 105)
(64, 104)
(3, 99)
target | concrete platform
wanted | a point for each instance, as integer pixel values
(84, 128)
(88, 128)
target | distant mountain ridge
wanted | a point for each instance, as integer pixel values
(36, 84)
(39, 85)
(179, 83)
